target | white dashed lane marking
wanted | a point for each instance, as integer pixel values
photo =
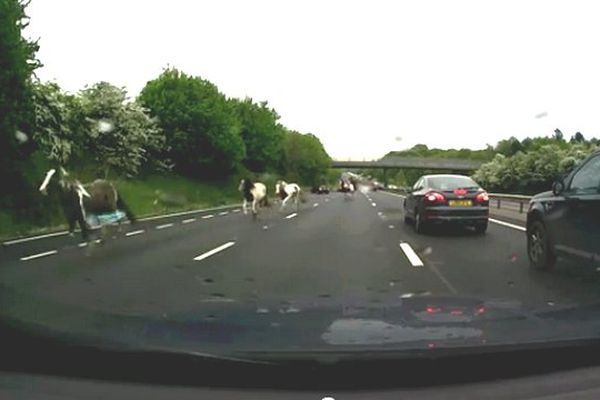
(292, 215)
(208, 216)
(413, 258)
(316, 205)
(224, 213)
(214, 251)
(187, 221)
(164, 226)
(133, 233)
(517, 227)
(39, 255)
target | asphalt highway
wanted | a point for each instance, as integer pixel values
(336, 247)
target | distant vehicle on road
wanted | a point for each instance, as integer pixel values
(437, 199)
(392, 187)
(320, 189)
(566, 220)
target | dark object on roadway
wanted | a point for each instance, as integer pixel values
(437, 199)
(320, 190)
(566, 220)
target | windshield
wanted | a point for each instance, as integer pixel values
(261, 179)
(451, 183)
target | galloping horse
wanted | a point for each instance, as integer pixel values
(254, 192)
(286, 191)
(77, 200)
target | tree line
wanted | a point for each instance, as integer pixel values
(523, 166)
(179, 124)
(533, 164)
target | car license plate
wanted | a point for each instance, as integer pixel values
(460, 203)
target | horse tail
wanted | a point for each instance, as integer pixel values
(121, 205)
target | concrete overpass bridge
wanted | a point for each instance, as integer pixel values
(442, 164)
(395, 162)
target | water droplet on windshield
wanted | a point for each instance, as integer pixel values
(21, 137)
(105, 126)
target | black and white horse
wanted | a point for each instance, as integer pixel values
(78, 200)
(286, 192)
(253, 192)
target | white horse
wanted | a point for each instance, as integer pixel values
(286, 191)
(254, 192)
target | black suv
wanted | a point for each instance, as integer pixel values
(566, 220)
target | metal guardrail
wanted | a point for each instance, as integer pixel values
(500, 198)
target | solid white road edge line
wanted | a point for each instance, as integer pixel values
(292, 215)
(214, 251)
(133, 233)
(517, 227)
(28, 239)
(63, 233)
(413, 258)
(39, 255)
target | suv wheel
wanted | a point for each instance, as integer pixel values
(539, 247)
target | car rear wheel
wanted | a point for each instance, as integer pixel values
(419, 223)
(539, 247)
(481, 228)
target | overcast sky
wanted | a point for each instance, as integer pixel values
(366, 77)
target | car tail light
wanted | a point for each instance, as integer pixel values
(433, 310)
(434, 198)
(482, 197)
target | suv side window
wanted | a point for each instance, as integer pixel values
(587, 179)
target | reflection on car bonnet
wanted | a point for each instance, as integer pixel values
(358, 331)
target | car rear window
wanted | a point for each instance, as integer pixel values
(451, 182)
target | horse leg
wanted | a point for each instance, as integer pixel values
(245, 206)
(254, 212)
(83, 226)
(284, 202)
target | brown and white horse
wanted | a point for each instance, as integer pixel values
(253, 192)
(286, 192)
(78, 200)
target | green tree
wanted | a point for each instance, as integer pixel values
(17, 62)
(120, 135)
(201, 126)
(53, 122)
(577, 138)
(305, 158)
(262, 135)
